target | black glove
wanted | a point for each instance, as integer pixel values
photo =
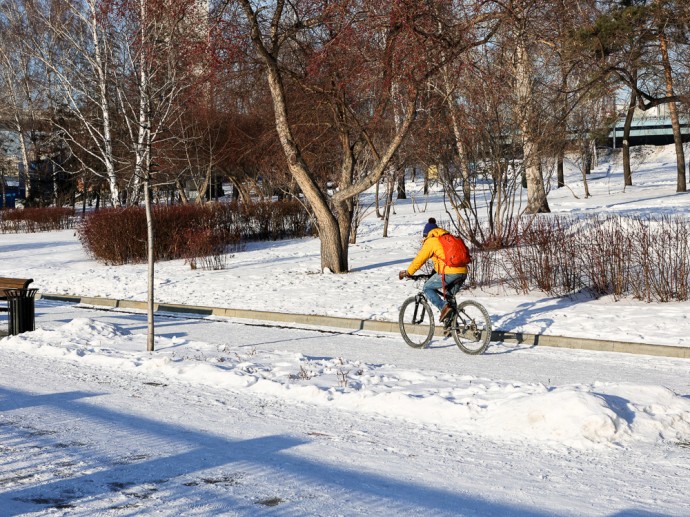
(403, 274)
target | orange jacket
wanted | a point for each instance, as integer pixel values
(432, 249)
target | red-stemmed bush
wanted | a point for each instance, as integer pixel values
(643, 257)
(32, 220)
(201, 235)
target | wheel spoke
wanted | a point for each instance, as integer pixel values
(472, 327)
(416, 322)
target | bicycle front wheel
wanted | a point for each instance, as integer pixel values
(416, 322)
(471, 327)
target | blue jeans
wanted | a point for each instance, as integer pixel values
(436, 282)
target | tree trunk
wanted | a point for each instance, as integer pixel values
(560, 154)
(150, 330)
(142, 177)
(4, 193)
(462, 155)
(203, 190)
(180, 190)
(345, 211)
(459, 144)
(239, 191)
(401, 194)
(536, 193)
(25, 162)
(108, 159)
(586, 165)
(377, 199)
(389, 203)
(673, 109)
(562, 138)
(627, 171)
(560, 173)
(356, 219)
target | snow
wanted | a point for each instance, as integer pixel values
(231, 417)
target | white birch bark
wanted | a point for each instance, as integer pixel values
(143, 172)
(16, 110)
(101, 70)
(79, 92)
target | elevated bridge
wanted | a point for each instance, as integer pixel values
(648, 130)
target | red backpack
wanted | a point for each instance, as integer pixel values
(455, 251)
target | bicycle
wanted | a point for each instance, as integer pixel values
(468, 322)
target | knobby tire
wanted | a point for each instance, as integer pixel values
(419, 334)
(471, 327)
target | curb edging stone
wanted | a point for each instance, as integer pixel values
(378, 326)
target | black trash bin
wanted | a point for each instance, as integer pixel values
(20, 308)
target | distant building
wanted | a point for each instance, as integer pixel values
(46, 173)
(9, 192)
(651, 127)
(10, 184)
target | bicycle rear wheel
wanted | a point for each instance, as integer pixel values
(471, 328)
(416, 322)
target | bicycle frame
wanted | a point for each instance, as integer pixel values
(470, 330)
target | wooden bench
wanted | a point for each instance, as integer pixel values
(12, 283)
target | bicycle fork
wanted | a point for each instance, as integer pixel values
(419, 310)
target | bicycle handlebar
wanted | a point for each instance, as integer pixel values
(421, 276)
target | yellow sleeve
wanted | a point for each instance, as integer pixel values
(424, 254)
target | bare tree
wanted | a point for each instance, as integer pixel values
(348, 55)
(161, 47)
(681, 184)
(18, 77)
(631, 41)
(75, 46)
(489, 216)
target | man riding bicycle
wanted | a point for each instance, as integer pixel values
(443, 276)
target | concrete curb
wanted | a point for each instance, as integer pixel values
(379, 326)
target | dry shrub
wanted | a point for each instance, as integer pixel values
(32, 220)
(606, 246)
(482, 270)
(199, 234)
(115, 236)
(662, 259)
(550, 252)
(207, 248)
(643, 257)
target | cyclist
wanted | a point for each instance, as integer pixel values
(443, 276)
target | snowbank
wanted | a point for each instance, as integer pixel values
(579, 416)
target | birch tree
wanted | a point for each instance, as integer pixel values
(73, 43)
(162, 51)
(523, 70)
(15, 66)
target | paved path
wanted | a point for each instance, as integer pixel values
(380, 326)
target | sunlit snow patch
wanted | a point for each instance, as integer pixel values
(580, 416)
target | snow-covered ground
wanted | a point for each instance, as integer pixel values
(241, 418)
(285, 276)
